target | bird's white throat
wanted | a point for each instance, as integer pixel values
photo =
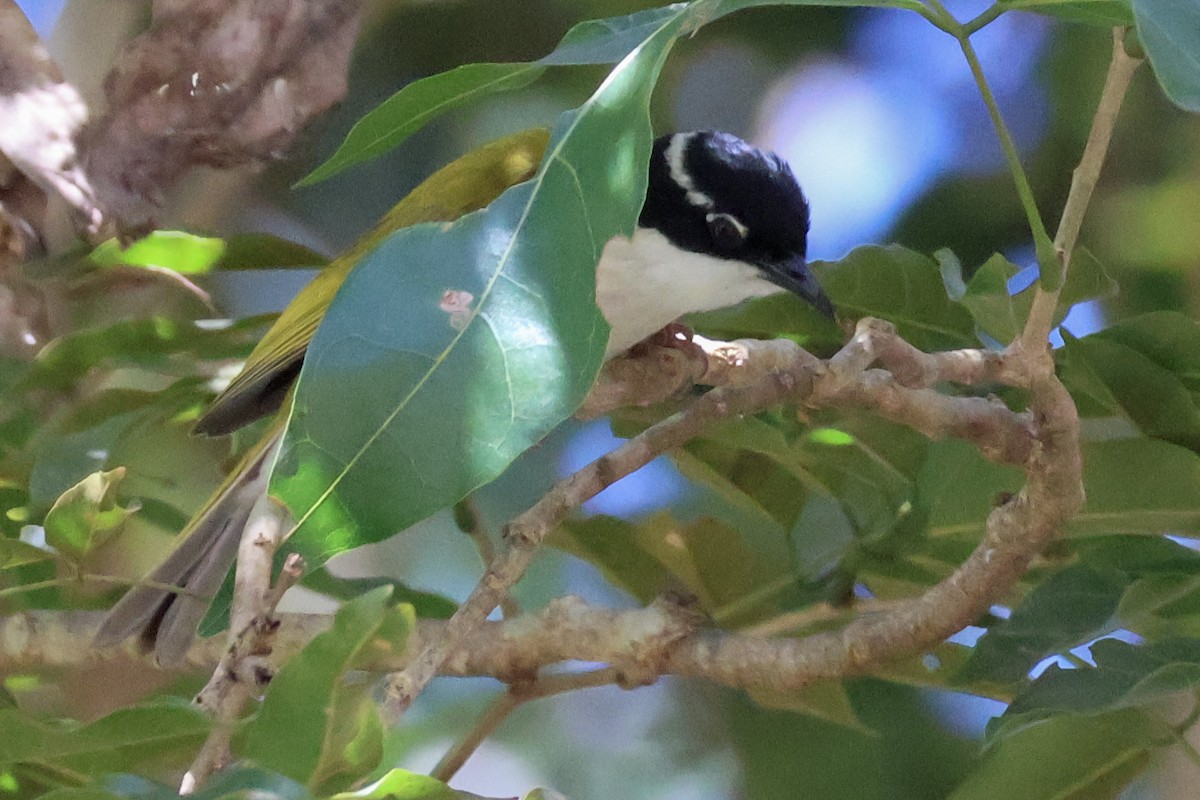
(645, 283)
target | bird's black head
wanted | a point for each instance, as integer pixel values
(710, 192)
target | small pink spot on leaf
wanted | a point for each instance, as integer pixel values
(457, 304)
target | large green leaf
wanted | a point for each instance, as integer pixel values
(444, 400)
(958, 488)
(1170, 32)
(1153, 398)
(705, 556)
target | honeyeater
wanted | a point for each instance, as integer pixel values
(722, 222)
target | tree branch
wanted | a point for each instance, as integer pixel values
(525, 534)
(241, 671)
(215, 83)
(1083, 183)
(794, 375)
(42, 113)
(664, 639)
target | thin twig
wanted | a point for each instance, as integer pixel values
(1047, 261)
(1083, 183)
(508, 702)
(472, 525)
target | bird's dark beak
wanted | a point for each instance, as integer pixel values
(794, 275)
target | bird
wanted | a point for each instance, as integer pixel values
(722, 222)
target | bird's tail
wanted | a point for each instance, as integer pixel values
(166, 609)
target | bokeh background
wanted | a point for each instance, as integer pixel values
(879, 117)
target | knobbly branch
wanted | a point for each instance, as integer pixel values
(242, 670)
(219, 83)
(791, 375)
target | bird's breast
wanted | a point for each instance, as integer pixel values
(647, 282)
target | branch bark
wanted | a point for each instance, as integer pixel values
(217, 83)
(241, 671)
(793, 375)
(42, 113)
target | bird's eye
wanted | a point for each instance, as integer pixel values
(726, 232)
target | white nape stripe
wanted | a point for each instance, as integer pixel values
(675, 153)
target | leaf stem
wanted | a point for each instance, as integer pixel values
(50, 583)
(1048, 264)
(990, 15)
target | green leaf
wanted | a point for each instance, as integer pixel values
(1107, 13)
(1086, 280)
(951, 270)
(444, 402)
(123, 738)
(1065, 758)
(771, 317)
(152, 344)
(1167, 503)
(957, 488)
(1125, 676)
(1070, 608)
(997, 313)
(87, 515)
(825, 700)
(400, 784)
(177, 251)
(1170, 32)
(707, 557)
(746, 478)
(902, 286)
(410, 109)
(312, 727)
(15, 553)
(1168, 338)
(1153, 398)
(609, 544)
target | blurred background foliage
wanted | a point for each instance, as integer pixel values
(878, 115)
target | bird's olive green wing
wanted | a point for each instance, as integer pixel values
(463, 186)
